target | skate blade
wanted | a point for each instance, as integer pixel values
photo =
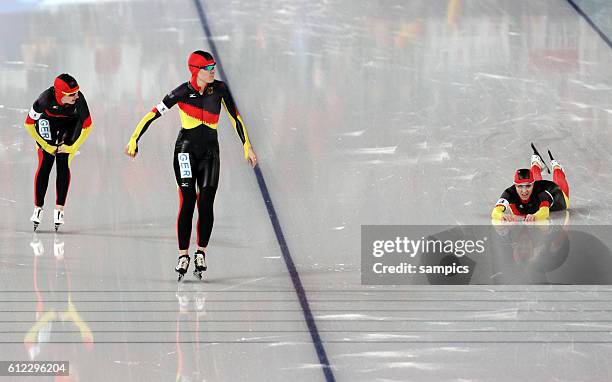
(198, 274)
(57, 227)
(35, 226)
(181, 273)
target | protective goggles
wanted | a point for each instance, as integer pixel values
(208, 68)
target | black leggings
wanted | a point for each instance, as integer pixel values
(195, 166)
(41, 179)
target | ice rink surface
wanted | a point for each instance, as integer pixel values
(361, 112)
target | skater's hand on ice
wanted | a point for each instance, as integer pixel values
(530, 218)
(131, 149)
(508, 218)
(252, 157)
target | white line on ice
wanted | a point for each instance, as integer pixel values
(375, 150)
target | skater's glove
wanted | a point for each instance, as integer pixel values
(542, 214)
(132, 147)
(498, 212)
(67, 149)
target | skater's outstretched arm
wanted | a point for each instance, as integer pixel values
(230, 107)
(162, 108)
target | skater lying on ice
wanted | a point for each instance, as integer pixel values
(531, 198)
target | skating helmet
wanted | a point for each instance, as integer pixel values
(523, 175)
(64, 84)
(199, 60)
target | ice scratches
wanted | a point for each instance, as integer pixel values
(17, 109)
(453, 83)
(390, 150)
(329, 268)
(578, 105)
(468, 177)
(385, 65)
(53, 3)
(251, 281)
(480, 75)
(128, 363)
(261, 338)
(349, 316)
(591, 325)
(30, 65)
(395, 162)
(576, 118)
(304, 366)
(223, 37)
(389, 336)
(413, 365)
(379, 354)
(517, 119)
(450, 349)
(405, 365)
(599, 86)
(284, 343)
(284, 12)
(437, 157)
(501, 314)
(168, 29)
(353, 133)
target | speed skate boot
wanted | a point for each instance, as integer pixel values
(182, 266)
(553, 163)
(58, 218)
(539, 160)
(200, 263)
(36, 216)
(535, 159)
